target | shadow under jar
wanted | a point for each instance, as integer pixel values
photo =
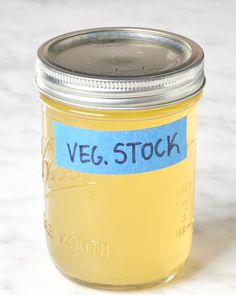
(118, 152)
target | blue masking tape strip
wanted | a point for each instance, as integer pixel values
(120, 152)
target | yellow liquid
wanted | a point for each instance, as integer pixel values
(119, 230)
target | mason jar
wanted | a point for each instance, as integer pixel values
(118, 152)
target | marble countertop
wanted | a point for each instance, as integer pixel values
(25, 266)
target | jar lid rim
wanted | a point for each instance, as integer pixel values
(119, 67)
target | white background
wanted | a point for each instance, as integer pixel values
(25, 266)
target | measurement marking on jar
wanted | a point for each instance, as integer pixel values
(183, 229)
(85, 246)
(185, 209)
(48, 228)
(184, 188)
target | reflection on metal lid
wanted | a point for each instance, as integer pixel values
(119, 68)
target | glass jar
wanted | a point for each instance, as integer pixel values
(118, 152)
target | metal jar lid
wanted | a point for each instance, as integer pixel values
(120, 68)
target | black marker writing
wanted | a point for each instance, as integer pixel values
(72, 153)
(99, 158)
(120, 151)
(171, 144)
(82, 154)
(124, 152)
(147, 151)
(157, 152)
(116, 150)
(133, 148)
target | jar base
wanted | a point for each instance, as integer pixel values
(119, 287)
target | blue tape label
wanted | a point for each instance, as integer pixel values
(120, 152)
